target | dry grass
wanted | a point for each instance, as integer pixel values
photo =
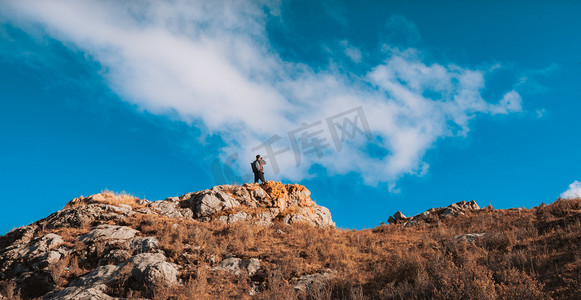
(107, 197)
(525, 254)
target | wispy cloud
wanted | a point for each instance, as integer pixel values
(212, 62)
(573, 192)
(351, 51)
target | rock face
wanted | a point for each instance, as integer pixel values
(255, 203)
(29, 262)
(454, 209)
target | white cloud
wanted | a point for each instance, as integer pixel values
(351, 51)
(541, 112)
(211, 61)
(573, 192)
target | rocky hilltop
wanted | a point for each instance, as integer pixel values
(96, 232)
(271, 240)
(258, 204)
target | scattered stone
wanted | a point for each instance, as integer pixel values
(308, 282)
(470, 237)
(237, 265)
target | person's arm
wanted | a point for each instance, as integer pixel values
(262, 162)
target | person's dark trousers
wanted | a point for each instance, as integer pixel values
(258, 175)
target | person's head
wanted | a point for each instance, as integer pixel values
(258, 156)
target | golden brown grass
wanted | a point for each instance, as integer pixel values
(106, 197)
(525, 254)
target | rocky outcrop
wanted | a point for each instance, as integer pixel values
(28, 263)
(256, 203)
(260, 204)
(454, 209)
(94, 243)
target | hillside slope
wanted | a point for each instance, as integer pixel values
(272, 241)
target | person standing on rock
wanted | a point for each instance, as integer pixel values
(257, 168)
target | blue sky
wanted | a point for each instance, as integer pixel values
(463, 100)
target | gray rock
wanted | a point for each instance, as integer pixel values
(308, 282)
(423, 215)
(143, 244)
(22, 234)
(35, 252)
(102, 275)
(171, 208)
(237, 265)
(153, 269)
(237, 217)
(207, 203)
(147, 269)
(412, 223)
(448, 212)
(80, 293)
(114, 257)
(108, 233)
(52, 257)
(233, 218)
(85, 215)
(323, 217)
(470, 237)
(222, 203)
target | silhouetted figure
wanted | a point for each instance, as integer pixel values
(257, 169)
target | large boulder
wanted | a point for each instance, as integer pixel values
(152, 269)
(257, 203)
